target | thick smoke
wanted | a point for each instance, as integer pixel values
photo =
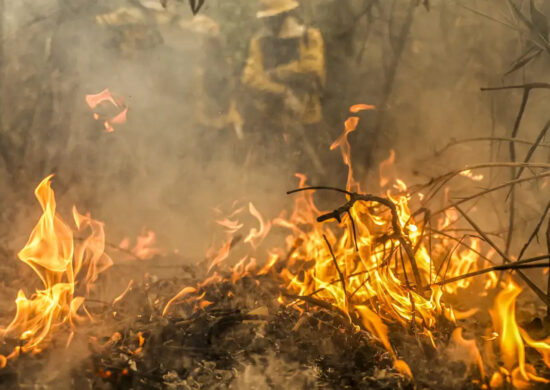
(423, 68)
(164, 171)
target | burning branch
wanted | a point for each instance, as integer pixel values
(398, 234)
(505, 258)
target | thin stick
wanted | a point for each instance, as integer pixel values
(535, 232)
(492, 189)
(478, 139)
(520, 86)
(534, 147)
(503, 267)
(319, 188)
(512, 209)
(336, 214)
(354, 231)
(340, 274)
(445, 178)
(505, 258)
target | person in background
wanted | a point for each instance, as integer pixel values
(135, 27)
(214, 108)
(285, 77)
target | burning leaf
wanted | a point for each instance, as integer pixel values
(361, 107)
(105, 96)
(184, 292)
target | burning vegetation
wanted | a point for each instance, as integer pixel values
(356, 275)
(377, 284)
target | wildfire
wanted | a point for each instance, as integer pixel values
(373, 265)
(511, 341)
(67, 268)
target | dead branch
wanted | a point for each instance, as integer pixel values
(336, 214)
(456, 142)
(340, 274)
(503, 267)
(528, 86)
(492, 189)
(535, 232)
(442, 180)
(504, 257)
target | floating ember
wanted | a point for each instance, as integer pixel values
(107, 109)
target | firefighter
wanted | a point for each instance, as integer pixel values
(136, 26)
(214, 105)
(285, 74)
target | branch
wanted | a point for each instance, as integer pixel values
(505, 258)
(528, 86)
(340, 274)
(336, 214)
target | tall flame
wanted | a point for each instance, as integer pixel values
(512, 347)
(52, 254)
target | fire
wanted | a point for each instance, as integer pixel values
(376, 266)
(468, 173)
(145, 247)
(511, 340)
(105, 96)
(67, 267)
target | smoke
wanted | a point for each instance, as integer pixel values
(271, 371)
(165, 170)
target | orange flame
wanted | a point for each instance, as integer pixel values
(512, 348)
(94, 100)
(54, 257)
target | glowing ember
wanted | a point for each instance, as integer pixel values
(512, 348)
(105, 97)
(468, 173)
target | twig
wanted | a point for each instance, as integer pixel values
(512, 210)
(319, 303)
(319, 188)
(445, 178)
(354, 231)
(336, 214)
(535, 231)
(505, 258)
(492, 189)
(340, 274)
(528, 86)
(478, 139)
(502, 267)
(534, 147)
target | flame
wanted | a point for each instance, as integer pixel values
(363, 267)
(468, 173)
(466, 351)
(512, 347)
(63, 263)
(145, 247)
(256, 236)
(387, 170)
(105, 96)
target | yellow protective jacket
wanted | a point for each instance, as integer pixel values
(303, 75)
